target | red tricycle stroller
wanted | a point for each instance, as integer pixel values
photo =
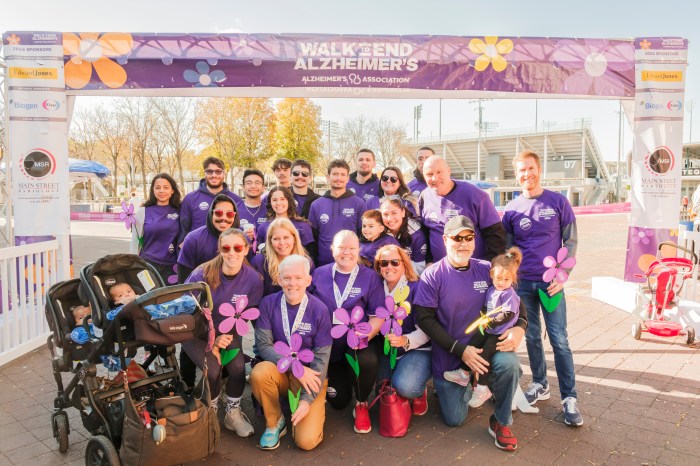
(665, 279)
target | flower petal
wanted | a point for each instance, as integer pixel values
(499, 63)
(202, 67)
(77, 75)
(71, 44)
(382, 313)
(226, 309)
(562, 276)
(386, 326)
(548, 276)
(227, 324)
(504, 46)
(296, 342)
(339, 330)
(217, 76)
(477, 45)
(297, 369)
(110, 73)
(398, 331)
(282, 348)
(481, 63)
(400, 313)
(251, 314)
(241, 303)
(568, 263)
(353, 340)
(342, 315)
(491, 40)
(389, 303)
(305, 355)
(283, 364)
(191, 76)
(89, 36)
(242, 327)
(357, 314)
(116, 43)
(549, 262)
(561, 254)
(363, 328)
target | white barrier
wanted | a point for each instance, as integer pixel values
(26, 273)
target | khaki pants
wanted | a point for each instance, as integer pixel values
(268, 384)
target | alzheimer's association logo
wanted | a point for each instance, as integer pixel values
(660, 161)
(38, 163)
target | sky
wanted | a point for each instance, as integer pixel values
(617, 19)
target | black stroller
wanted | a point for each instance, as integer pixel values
(143, 415)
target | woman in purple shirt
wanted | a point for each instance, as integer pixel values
(281, 204)
(154, 235)
(391, 183)
(230, 278)
(406, 229)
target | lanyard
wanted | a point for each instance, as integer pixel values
(340, 299)
(297, 320)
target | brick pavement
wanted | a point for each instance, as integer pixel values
(640, 399)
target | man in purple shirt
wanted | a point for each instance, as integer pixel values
(540, 222)
(446, 198)
(450, 296)
(336, 210)
(302, 175)
(251, 210)
(363, 182)
(418, 184)
(195, 205)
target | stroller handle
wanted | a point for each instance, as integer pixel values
(198, 286)
(678, 246)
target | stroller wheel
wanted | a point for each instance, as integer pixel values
(61, 430)
(690, 335)
(101, 452)
(637, 330)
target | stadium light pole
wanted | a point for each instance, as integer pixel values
(618, 181)
(480, 126)
(689, 108)
(328, 126)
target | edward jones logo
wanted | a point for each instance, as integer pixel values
(660, 161)
(662, 76)
(33, 73)
(38, 163)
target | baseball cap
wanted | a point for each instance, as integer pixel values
(457, 224)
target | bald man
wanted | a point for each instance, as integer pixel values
(445, 198)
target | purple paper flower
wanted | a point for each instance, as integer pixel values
(292, 356)
(641, 235)
(202, 77)
(391, 315)
(556, 266)
(172, 279)
(597, 66)
(237, 317)
(352, 325)
(127, 215)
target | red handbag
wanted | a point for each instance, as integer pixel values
(394, 412)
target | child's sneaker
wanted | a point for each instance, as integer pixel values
(536, 392)
(480, 395)
(572, 416)
(458, 376)
(362, 421)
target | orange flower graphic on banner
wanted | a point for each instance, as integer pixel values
(13, 40)
(645, 44)
(92, 50)
(491, 52)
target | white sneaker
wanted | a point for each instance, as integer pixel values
(238, 422)
(480, 395)
(458, 376)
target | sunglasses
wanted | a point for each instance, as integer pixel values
(237, 247)
(459, 239)
(229, 213)
(393, 179)
(385, 263)
(304, 174)
(214, 172)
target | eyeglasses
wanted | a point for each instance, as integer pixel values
(228, 213)
(236, 247)
(214, 172)
(304, 174)
(385, 263)
(459, 239)
(393, 179)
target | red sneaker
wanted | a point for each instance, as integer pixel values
(362, 423)
(420, 404)
(505, 440)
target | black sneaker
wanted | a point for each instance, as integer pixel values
(505, 440)
(572, 416)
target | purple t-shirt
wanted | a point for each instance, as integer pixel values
(416, 186)
(161, 228)
(465, 199)
(536, 225)
(306, 234)
(259, 263)
(510, 301)
(458, 297)
(364, 191)
(330, 215)
(199, 246)
(417, 249)
(367, 292)
(315, 326)
(368, 250)
(255, 216)
(195, 207)
(247, 282)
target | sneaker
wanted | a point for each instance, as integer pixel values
(572, 416)
(505, 440)
(270, 439)
(362, 422)
(536, 392)
(420, 404)
(237, 421)
(458, 376)
(480, 395)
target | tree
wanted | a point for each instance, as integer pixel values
(84, 140)
(139, 115)
(354, 134)
(112, 133)
(297, 129)
(177, 120)
(388, 140)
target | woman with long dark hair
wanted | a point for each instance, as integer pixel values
(406, 229)
(391, 183)
(281, 204)
(155, 232)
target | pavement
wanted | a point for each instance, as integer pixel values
(640, 399)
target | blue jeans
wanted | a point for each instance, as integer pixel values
(411, 373)
(503, 380)
(555, 323)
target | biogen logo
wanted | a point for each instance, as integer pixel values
(51, 105)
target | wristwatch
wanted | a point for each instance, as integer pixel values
(408, 343)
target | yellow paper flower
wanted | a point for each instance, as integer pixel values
(91, 50)
(491, 51)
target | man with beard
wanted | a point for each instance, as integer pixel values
(302, 175)
(195, 205)
(251, 210)
(363, 182)
(418, 184)
(450, 296)
(336, 210)
(446, 198)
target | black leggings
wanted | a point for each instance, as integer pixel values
(235, 368)
(342, 378)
